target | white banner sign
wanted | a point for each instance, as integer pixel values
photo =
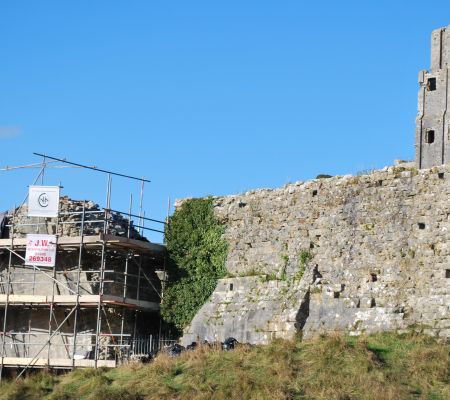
(41, 250)
(43, 201)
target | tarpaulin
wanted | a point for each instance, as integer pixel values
(3, 220)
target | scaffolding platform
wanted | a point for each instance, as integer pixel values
(71, 300)
(93, 241)
(95, 300)
(62, 363)
(98, 298)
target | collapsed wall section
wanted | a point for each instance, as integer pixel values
(375, 250)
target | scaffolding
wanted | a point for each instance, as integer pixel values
(98, 307)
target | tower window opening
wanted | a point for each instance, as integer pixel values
(429, 136)
(431, 84)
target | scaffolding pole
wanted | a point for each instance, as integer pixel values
(77, 306)
(102, 269)
(163, 286)
(125, 279)
(73, 308)
(63, 160)
(43, 347)
(5, 314)
(52, 303)
(146, 277)
(137, 296)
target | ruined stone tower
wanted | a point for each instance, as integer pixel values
(433, 124)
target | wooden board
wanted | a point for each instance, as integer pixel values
(85, 300)
(55, 362)
(94, 240)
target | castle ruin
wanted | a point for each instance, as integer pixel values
(358, 254)
(433, 124)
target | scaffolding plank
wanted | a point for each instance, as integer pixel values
(95, 240)
(62, 241)
(133, 303)
(133, 243)
(55, 362)
(84, 300)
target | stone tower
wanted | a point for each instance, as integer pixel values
(433, 123)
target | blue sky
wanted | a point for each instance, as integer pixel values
(208, 97)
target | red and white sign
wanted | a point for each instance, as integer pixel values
(41, 250)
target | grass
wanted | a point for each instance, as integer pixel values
(382, 366)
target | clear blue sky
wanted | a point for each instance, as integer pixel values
(208, 97)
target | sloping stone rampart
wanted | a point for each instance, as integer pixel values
(376, 250)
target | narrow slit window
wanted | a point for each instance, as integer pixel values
(429, 136)
(231, 287)
(314, 193)
(431, 84)
(447, 273)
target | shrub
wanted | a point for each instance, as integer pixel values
(323, 176)
(197, 254)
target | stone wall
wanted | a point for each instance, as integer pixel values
(353, 253)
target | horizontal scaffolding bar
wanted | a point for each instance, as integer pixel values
(92, 168)
(136, 216)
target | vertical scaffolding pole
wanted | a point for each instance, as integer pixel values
(163, 285)
(125, 279)
(141, 231)
(80, 255)
(52, 303)
(102, 269)
(137, 295)
(43, 170)
(8, 290)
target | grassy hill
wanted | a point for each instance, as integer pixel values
(382, 366)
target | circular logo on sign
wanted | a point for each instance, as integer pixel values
(43, 200)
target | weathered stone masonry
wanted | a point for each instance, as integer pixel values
(433, 124)
(375, 249)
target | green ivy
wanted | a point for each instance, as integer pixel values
(197, 254)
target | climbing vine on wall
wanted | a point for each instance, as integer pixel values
(197, 254)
